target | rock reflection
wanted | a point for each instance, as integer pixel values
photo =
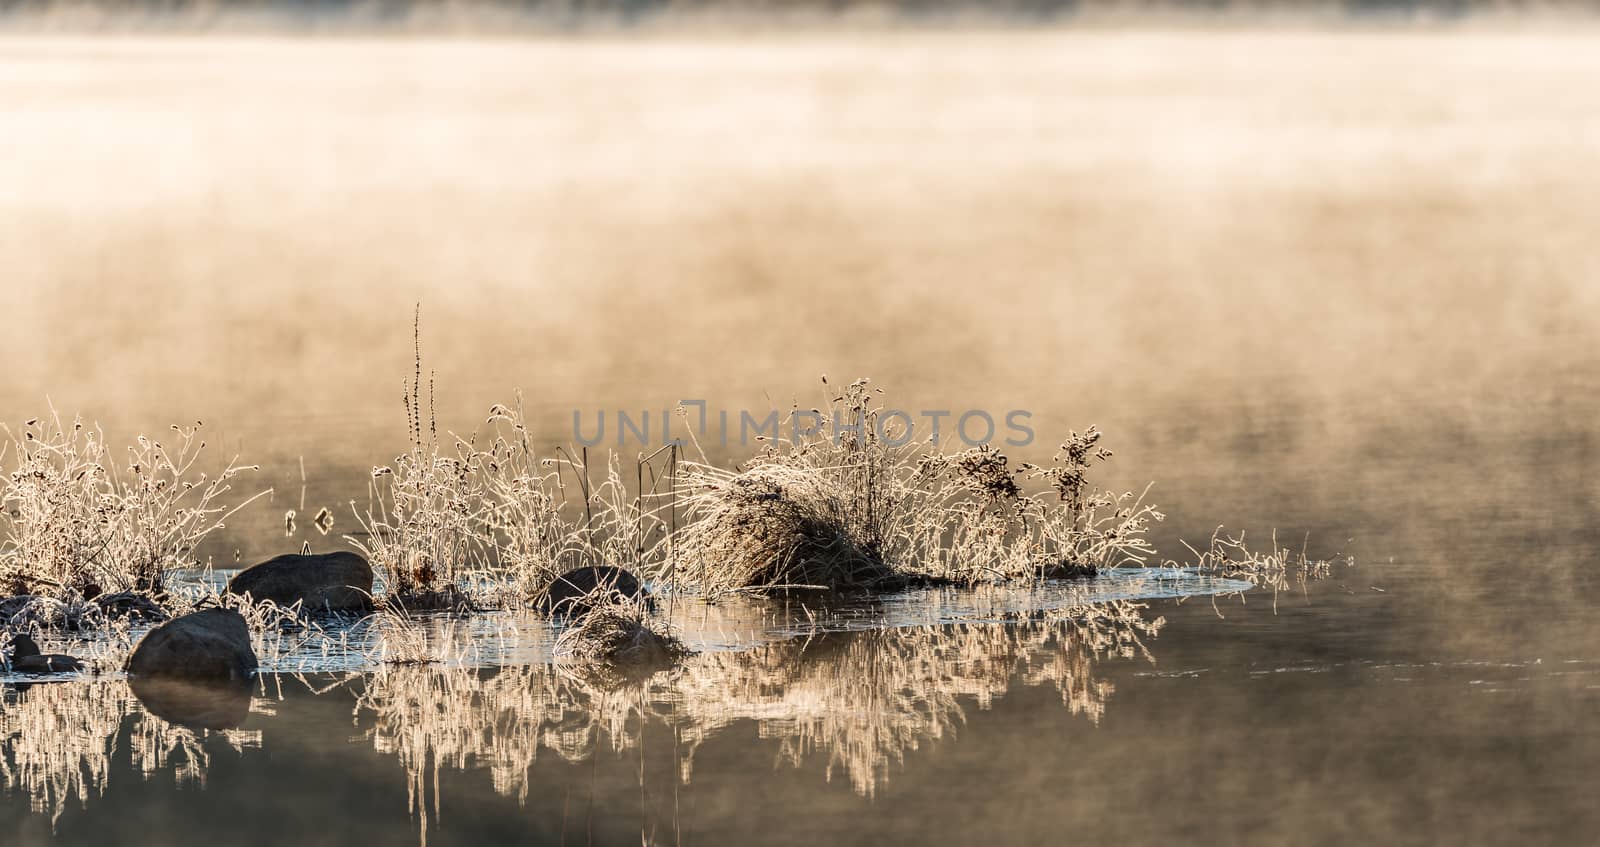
(203, 707)
(862, 700)
(57, 741)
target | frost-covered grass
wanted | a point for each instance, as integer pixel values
(851, 507)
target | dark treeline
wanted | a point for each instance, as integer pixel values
(567, 13)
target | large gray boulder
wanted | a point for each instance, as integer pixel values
(209, 645)
(581, 590)
(328, 582)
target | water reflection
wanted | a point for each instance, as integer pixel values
(58, 741)
(512, 752)
(201, 707)
(860, 700)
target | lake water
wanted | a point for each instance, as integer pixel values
(1341, 286)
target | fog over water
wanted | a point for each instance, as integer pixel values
(1342, 285)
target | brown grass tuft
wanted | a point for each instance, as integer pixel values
(779, 527)
(852, 507)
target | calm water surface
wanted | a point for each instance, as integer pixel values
(1309, 725)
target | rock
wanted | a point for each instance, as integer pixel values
(577, 592)
(209, 645)
(334, 582)
(131, 605)
(26, 658)
(197, 705)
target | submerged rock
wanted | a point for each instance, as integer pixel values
(209, 645)
(578, 592)
(26, 658)
(640, 647)
(617, 640)
(333, 582)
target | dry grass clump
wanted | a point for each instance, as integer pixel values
(820, 510)
(494, 526)
(425, 539)
(77, 522)
(455, 524)
(537, 537)
(425, 527)
(89, 543)
(854, 504)
(70, 612)
(549, 514)
(780, 526)
(989, 527)
(858, 504)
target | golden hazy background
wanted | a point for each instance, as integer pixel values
(1337, 282)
